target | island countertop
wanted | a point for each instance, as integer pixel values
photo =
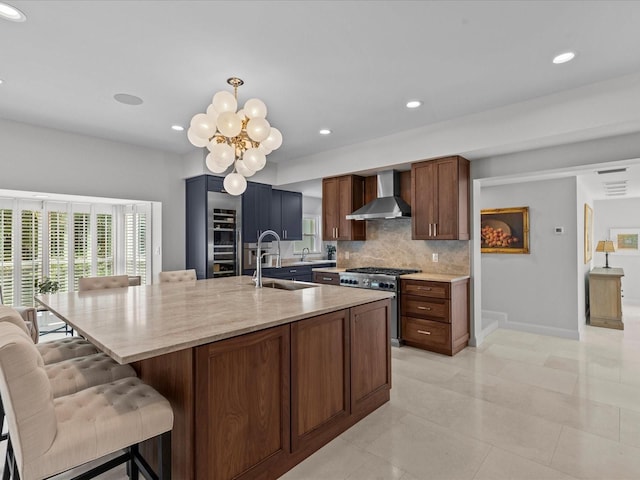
(137, 323)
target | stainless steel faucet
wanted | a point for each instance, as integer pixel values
(258, 278)
(304, 254)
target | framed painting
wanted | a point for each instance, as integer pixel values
(625, 240)
(504, 230)
(588, 233)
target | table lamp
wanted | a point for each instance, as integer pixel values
(607, 247)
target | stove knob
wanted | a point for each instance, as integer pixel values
(392, 286)
(384, 285)
(355, 282)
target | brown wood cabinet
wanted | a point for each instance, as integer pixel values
(435, 315)
(440, 199)
(328, 278)
(242, 400)
(340, 197)
(266, 400)
(320, 383)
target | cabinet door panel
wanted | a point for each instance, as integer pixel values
(242, 403)
(320, 375)
(422, 198)
(435, 336)
(446, 218)
(276, 212)
(329, 208)
(370, 354)
(291, 210)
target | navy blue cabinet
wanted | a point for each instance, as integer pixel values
(286, 214)
(256, 211)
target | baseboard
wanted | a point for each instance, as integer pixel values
(500, 319)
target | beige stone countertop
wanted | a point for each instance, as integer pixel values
(328, 269)
(137, 323)
(435, 277)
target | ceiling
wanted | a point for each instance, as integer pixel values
(349, 66)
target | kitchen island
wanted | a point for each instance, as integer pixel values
(258, 378)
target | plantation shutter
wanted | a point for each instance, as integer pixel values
(104, 244)
(58, 248)
(30, 254)
(136, 241)
(81, 247)
(6, 255)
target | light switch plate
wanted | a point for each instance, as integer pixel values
(434, 257)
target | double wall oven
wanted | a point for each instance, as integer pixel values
(378, 278)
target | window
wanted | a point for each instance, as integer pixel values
(310, 235)
(66, 241)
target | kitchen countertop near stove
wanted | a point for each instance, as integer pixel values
(435, 277)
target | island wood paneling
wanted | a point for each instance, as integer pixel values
(319, 375)
(242, 397)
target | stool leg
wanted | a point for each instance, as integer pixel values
(133, 469)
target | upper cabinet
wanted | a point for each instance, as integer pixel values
(440, 199)
(340, 197)
(286, 214)
(256, 211)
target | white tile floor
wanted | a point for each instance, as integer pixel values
(521, 406)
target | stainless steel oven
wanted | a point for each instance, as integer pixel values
(378, 278)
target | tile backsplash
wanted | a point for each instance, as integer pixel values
(389, 244)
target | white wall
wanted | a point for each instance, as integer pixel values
(619, 214)
(47, 160)
(583, 196)
(535, 292)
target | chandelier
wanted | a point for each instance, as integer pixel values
(241, 139)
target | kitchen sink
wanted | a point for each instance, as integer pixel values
(286, 285)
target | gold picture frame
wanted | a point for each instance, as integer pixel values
(504, 230)
(588, 233)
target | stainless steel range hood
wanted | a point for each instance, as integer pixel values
(388, 204)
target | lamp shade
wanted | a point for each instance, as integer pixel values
(605, 246)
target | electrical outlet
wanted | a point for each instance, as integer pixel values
(434, 257)
(346, 255)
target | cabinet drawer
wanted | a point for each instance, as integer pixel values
(326, 278)
(426, 333)
(426, 289)
(424, 307)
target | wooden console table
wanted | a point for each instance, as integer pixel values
(605, 297)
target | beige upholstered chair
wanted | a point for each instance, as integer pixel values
(178, 276)
(49, 436)
(29, 314)
(100, 283)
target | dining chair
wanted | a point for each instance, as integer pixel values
(100, 283)
(173, 276)
(49, 436)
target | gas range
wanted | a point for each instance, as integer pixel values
(377, 278)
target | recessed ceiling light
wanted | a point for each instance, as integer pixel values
(324, 131)
(127, 99)
(564, 57)
(1, 81)
(177, 128)
(11, 13)
(413, 103)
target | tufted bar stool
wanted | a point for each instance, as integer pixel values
(100, 283)
(177, 276)
(50, 436)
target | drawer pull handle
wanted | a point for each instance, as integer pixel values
(428, 289)
(292, 271)
(424, 332)
(327, 279)
(424, 308)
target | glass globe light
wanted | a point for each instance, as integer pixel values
(258, 129)
(241, 114)
(203, 125)
(235, 184)
(224, 102)
(243, 169)
(211, 113)
(229, 124)
(254, 108)
(222, 154)
(264, 149)
(254, 159)
(196, 140)
(213, 166)
(274, 140)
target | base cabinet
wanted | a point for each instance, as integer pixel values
(328, 278)
(242, 400)
(435, 315)
(266, 400)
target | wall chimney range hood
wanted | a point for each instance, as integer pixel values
(389, 204)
